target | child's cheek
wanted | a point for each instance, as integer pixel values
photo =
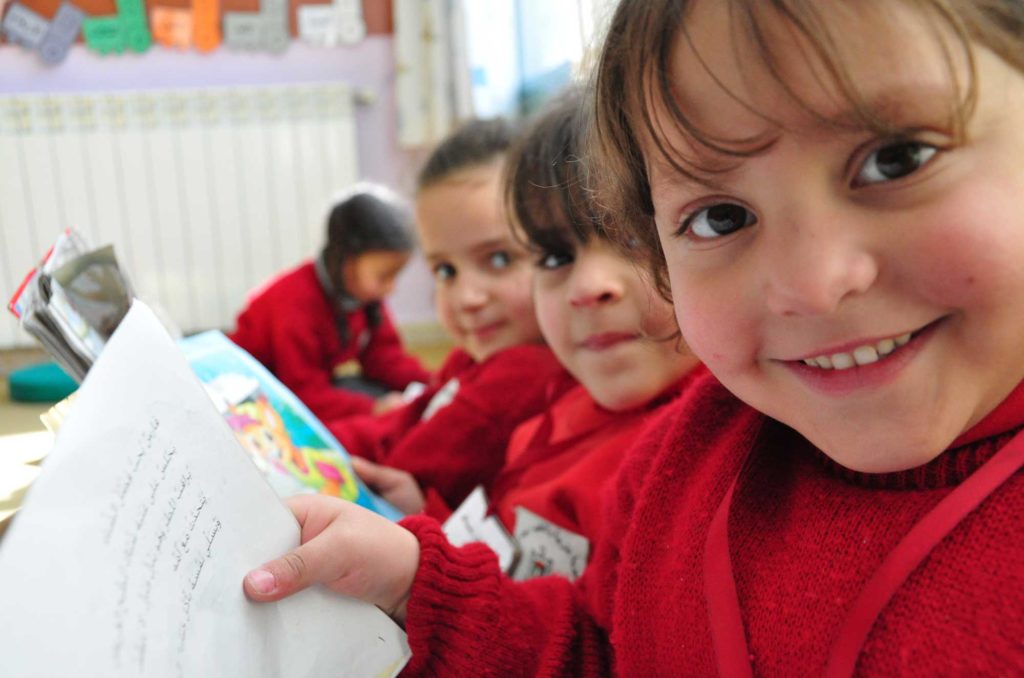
(704, 330)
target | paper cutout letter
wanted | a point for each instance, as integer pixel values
(24, 27)
(171, 26)
(206, 25)
(63, 31)
(125, 30)
(263, 30)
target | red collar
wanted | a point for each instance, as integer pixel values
(1008, 415)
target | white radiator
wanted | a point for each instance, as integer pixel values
(204, 193)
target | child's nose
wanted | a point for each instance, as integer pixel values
(594, 284)
(813, 266)
(469, 293)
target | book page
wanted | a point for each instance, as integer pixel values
(128, 554)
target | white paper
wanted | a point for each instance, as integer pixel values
(128, 555)
(470, 523)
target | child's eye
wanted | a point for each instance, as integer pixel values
(894, 161)
(500, 259)
(717, 220)
(444, 272)
(552, 260)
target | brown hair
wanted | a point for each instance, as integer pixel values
(546, 179)
(634, 71)
(477, 142)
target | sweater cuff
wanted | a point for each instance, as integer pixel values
(435, 506)
(452, 605)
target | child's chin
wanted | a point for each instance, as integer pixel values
(866, 456)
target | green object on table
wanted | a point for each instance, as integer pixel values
(45, 383)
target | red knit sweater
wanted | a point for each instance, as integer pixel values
(804, 537)
(289, 326)
(461, 444)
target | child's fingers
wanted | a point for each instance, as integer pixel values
(284, 576)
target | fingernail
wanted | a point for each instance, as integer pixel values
(262, 581)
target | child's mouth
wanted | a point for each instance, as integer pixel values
(861, 355)
(870, 364)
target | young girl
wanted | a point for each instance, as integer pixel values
(306, 322)
(453, 436)
(608, 327)
(836, 192)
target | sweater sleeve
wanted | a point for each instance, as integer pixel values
(466, 617)
(374, 436)
(464, 443)
(385, 360)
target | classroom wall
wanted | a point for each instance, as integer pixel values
(368, 66)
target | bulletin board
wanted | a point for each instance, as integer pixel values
(116, 26)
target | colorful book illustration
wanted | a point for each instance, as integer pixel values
(295, 452)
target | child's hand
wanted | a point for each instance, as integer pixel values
(396, 486)
(388, 402)
(346, 548)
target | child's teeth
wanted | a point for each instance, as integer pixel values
(862, 355)
(865, 355)
(842, 361)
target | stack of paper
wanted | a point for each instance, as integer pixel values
(129, 552)
(72, 301)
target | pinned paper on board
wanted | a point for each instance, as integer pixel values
(125, 30)
(328, 25)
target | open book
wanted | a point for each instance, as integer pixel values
(295, 452)
(128, 554)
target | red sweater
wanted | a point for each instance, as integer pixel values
(559, 462)
(804, 537)
(460, 444)
(289, 326)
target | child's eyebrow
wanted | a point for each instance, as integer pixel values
(893, 106)
(490, 245)
(480, 247)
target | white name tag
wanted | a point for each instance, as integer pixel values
(470, 523)
(545, 548)
(443, 398)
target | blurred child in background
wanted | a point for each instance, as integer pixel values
(307, 322)
(453, 436)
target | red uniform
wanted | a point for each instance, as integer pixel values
(803, 535)
(289, 326)
(558, 462)
(453, 437)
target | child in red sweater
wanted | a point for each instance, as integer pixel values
(834, 193)
(305, 323)
(453, 436)
(609, 329)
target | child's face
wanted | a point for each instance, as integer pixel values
(482, 274)
(604, 322)
(371, 276)
(835, 246)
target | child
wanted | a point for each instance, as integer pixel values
(306, 322)
(608, 328)
(453, 436)
(835, 190)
